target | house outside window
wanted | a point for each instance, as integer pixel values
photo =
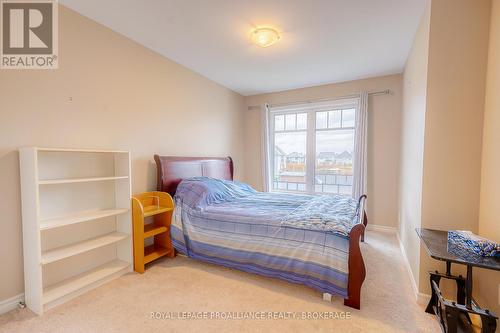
(311, 149)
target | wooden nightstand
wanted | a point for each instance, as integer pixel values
(160, 206)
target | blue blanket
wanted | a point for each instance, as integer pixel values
(299, 238)
(333, 213)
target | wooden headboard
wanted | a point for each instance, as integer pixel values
(172, 169)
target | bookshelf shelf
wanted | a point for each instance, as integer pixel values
(154, 210)
(67, 251)
(43, 149)
(57, 222)
(153, 252)
(152, 229)
(84, 280)
(79, 180)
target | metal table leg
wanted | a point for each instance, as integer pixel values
(436, 278)
(468, 288)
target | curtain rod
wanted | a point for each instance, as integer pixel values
(371, 93)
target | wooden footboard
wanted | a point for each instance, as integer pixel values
(357, 271)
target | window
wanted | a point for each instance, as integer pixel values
(311, 149)
(290, 146)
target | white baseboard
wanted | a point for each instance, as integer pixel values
(421, 298)
(10, 303)
(383, 228)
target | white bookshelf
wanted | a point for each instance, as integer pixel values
(76, 221)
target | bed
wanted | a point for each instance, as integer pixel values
(224, 222)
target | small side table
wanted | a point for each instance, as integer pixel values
(160, 206)
(449, 312)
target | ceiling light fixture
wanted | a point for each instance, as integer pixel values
(265, 37)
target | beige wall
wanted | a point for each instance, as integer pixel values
(489, 220)
(383, 138)
(454, 118)
(412, 144)
(445, 85)
(124, 96)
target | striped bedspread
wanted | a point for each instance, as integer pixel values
(230, 224)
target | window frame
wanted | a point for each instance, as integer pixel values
(310, 109)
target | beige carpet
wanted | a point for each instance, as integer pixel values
(182, 284)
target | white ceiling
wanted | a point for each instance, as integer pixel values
(323, 41)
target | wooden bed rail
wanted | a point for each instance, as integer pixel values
(362, 216)
(357, 271)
